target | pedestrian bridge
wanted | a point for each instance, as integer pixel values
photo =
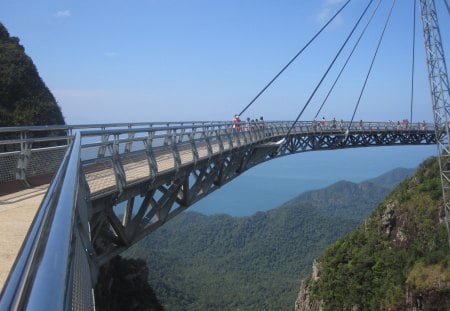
(113, 184)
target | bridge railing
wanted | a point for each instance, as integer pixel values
(52, 269)
(24, 149)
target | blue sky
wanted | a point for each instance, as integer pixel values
(168, 60)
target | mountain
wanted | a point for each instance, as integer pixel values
(199, 262)
(392, 178)
(399, 259)
(24, 98)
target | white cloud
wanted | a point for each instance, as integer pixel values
(328, 10)
(110, 54)
(333, 2)
(63, 14)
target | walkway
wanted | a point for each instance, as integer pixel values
(17, 211)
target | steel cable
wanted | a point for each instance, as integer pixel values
(329, 68)
(413, 60)
(294, 58)
(348, 59)
(371, 64)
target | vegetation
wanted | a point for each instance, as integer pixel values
(402, 248)
(24, 98)
(199, 262)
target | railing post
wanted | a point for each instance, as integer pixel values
(151, 159)
(175, 152)
(119, 172)
(205, 136)
(129, 144)
(193, 146)
(102, 149)
(24, 159)
(229, 133)
(219, 139)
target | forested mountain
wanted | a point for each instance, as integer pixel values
(399, 259)
(24, 98)
(199, 262)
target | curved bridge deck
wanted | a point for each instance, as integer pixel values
(121, 163)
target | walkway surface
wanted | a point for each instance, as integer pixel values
(17, 211)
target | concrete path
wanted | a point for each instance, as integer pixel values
(17, 211)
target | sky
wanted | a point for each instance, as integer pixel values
(175, 60)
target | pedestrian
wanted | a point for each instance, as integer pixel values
(237, 123)
(322, 122)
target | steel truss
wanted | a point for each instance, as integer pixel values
(440, 96)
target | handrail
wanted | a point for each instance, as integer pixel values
(9, 129)
(172, 124)
(35, 140)
(179, 129)
(40, 277)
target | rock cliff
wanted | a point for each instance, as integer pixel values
(399, 259)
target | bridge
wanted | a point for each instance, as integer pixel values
(105, 169)
(113, 184)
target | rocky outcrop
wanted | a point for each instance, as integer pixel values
(399, 259)
(388, 219)
(304, 300)
(122, 285)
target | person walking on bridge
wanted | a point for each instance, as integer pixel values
(237, 123)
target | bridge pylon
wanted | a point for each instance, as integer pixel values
(440, 95)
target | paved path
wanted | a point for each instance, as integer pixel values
(17, 211)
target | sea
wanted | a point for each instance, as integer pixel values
(270, 184)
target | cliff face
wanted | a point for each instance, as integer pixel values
(398, 260)
(122, 285)
(304, 300)
(24, 98)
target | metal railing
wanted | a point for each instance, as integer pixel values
(23, 144)
(44, 274)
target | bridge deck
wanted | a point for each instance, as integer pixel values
(17, 211)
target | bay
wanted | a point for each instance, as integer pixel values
(272, 183)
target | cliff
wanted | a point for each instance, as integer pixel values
(24, 98)
(122, 285)
(399, 259)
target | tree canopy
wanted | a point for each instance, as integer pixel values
(24, 97)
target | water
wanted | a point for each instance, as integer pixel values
(270, 184)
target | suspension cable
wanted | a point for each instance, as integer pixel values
(329, 68)
(371, 65)
(447, 5)
(295, 57)
(348, 58)
(413, 60)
